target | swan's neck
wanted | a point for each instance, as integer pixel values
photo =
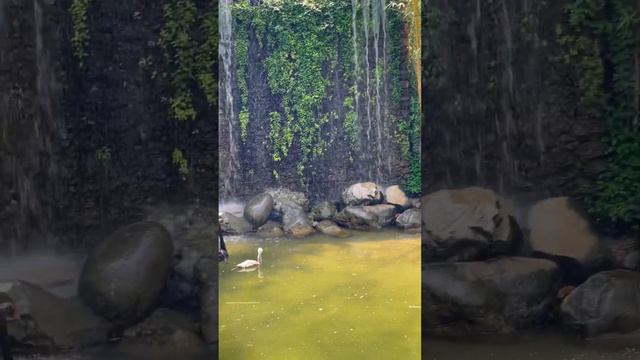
(259, 258)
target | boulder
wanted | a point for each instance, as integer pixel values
(285, 199)
(330, 228)
(366, 193)
(325, 210)
(467, 224)
(235, 225)
(123, 277)
(625, 253)
(409, 219)
(366, 217)
(416, 203)
(490, 297)
(559, 230)
(270, 229)
(48, 321)
(395, 196)
(608, 302)
(297, 224)
(258, 209)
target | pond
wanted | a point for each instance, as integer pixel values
(323, 298)
(529, 346)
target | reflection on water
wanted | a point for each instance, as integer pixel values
(323, 298)
(527, 347)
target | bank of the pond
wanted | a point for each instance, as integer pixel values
(527, 346)
(323, 298)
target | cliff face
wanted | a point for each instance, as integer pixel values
(84, 148)
(502, 110)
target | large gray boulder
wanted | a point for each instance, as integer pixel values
(608, 302)
(270, 229)
(285, 199)
(366, 217)
(297, 224)
(366, 193)
(49, 321)
(123, 277)
(330, 228)
(325, 210)
(258, 209)
(409, 219)
(557, 229)
(395, 196)
(496, 296)
(235, 225)
(467, 224)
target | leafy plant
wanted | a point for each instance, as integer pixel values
(80, 36)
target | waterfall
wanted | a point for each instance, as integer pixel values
(356, 67)
(226, 106)
(375, 36)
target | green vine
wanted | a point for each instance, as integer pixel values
(602, 40)
(80, 37)
(189, 38)
(180, 161)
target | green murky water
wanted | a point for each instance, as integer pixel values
(323, 298)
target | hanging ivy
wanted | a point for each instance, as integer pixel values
(80, 36)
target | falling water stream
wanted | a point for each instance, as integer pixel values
(227, 111)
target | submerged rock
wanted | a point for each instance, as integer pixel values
(366, 193)
(297, 224)
(123, 277)
(330, 228)
(467, 224)
(409, 219)
(558, 230)
(165, 330)
(258, 209)
(606, 303)
(48, 321)
(395, 196)
(496, 296)
(270, 229)
(365, 217)
(325, 210)
(235, 225)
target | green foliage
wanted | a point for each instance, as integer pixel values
(103, 154)
(189, 39)
(80, 36)
(407, 135)
(180, 161)
(602, 41)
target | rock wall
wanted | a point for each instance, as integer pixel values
(90, 146)
(502, 110)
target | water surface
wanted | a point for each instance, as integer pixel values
(323, 298)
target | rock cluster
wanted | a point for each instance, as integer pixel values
(485, 273)
(363, 206)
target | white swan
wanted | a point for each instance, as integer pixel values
(250, 264)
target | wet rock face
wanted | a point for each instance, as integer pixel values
(258, 209)
(124, 276)
(409, 219)
(330, 228)
(366, 193)
(557, 229)
(366, 217)
(467, 224)
(496, 296)
(325, 210)
(48, 321)
(606, 303)
(232, 224)
(270, 229)
(296, 223)
(395, 196)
